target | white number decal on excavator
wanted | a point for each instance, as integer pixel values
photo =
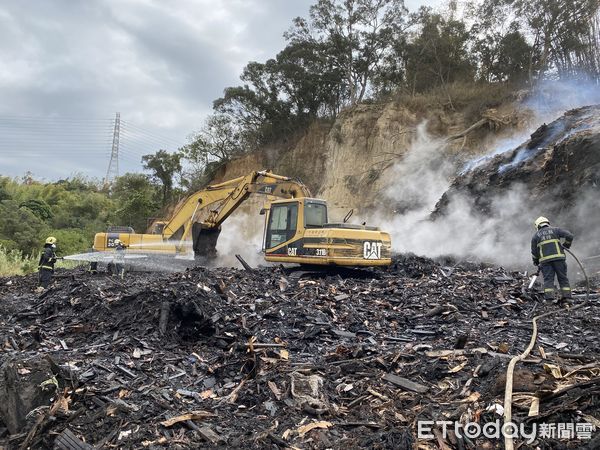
(292, 251)
(372, 250)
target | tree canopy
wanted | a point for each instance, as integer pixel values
(350, 51)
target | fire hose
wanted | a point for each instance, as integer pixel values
(508, 391)
(587, 281)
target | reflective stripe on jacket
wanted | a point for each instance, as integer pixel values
(47, 258)
(546, 245)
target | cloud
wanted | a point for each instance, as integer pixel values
(161, 64)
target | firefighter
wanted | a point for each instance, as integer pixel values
(46, 264)
(547, 251)
(93, 269)
(120, 258)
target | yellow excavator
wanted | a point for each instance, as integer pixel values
(296, 226)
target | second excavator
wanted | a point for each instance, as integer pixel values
(296, 228)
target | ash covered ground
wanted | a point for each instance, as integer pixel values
(269, 359)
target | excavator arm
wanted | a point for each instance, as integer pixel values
(217, 202)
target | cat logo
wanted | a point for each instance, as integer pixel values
(372, 250)
(267, 189)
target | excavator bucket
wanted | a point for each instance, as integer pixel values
(205, 241)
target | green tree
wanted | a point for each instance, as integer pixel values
(564, 34)
(256, 108)
(135, 198)
(219, 141)
(164, 167)
(20, 228)
(438, 53)
(40, 208)
(500, 48)
(357, 34)
(503, 54)
(4, 184)
(306, 74)
(71, 241)
(513, 58)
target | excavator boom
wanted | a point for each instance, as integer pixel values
(199, 216)
(219, 201)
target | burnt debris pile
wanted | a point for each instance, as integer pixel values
(556, 166)
(268, 359)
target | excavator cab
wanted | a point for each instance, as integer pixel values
(297, 231)
(284, 219)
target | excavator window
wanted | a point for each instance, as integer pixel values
(315, 215)
(282, 224)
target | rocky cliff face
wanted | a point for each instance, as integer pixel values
(351, 162)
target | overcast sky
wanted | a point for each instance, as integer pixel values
(68, 66)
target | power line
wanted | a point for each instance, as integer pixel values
(28, 136)
(133, 151)
(141, 137)
(54, 126)
(152, 133)
(135, 130)
(22, 147)
(145, 144)
(56, 118)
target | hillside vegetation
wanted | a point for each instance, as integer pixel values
(350, 53)
(72, 210)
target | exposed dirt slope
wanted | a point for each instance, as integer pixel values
(349, 162)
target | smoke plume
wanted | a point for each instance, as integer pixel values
(501, 232)
(242, 234)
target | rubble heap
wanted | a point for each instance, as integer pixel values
(268, 358)
(560, 159)
(557, 171)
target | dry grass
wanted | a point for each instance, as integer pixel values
(472, 99)
(13, 262)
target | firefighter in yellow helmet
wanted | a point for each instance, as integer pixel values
(46, 264)
(547, 251)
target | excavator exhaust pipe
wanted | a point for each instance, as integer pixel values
(204, 242)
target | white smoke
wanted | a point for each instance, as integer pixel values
(423, 174)
(549, 100)
(502, 234)
(422, 177)
(242, 234)
(552, 98)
